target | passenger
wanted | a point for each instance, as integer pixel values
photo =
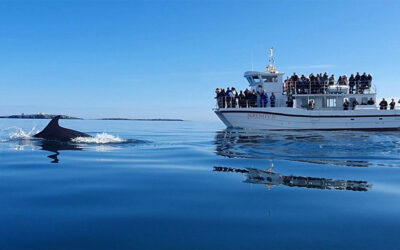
(339, 81)
(223, 94)
(383, 104)
(352, 83)
(259, 91)
(311, 105)
(311, 83)
(264, 100)
(332, 80)
(235, 97)
(355, 103)
(247, 93)
(253, 99)
(358, 79)
(392, 104)
(364, 81)
(290, 102)
(369, 80)
(228, 97)
(272, 98)
(346, 105)
(242, 100)
(323, 83)
(345, 82)
(219, 98)
(371, 101)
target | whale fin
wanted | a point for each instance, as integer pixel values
(53, 131)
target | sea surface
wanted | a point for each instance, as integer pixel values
(192, 185)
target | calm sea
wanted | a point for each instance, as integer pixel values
(185, 185)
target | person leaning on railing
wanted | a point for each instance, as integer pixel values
(392, 104)
(272, 99)
(242, 99)
(346, 105)
(383, 104)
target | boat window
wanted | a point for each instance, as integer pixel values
(270, 78)
(331, 102)
(256, 79)
(250, 80)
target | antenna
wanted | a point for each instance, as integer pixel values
(271, 65)
(252, 64)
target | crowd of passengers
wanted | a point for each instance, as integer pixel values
(259, 97)
(318, 84)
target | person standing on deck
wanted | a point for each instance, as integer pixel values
(392, 104)
(272, 98)
(346, 105)
(259, 91)
(383, 104)
(352, 83)
(358, 79)
(264, 99)
(290, 102)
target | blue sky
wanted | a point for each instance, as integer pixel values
(164, 59)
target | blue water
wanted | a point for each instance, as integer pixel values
(185, 185)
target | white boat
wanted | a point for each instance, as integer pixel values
(327, 113)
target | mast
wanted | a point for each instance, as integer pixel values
(271, 62)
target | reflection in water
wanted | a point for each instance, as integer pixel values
(55, 147)
(270, 179)
(355, 149)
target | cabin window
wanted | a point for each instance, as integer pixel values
(331, 102)
(250, 80)
(256, 79)
(269, 79)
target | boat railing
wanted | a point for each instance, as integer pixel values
(309, 87)
(223, 102)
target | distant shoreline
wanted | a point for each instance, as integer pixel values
(38, 116)
(137, 119)
(47, 116)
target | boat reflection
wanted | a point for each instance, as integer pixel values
(311, 147)
(270, 179)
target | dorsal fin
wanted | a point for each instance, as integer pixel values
(53, 123)
(50, 128)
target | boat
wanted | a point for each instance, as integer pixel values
(307, 105)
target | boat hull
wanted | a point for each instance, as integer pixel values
(282, 118)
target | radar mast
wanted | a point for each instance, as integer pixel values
(271, 66)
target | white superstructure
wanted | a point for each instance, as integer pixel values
(325, 113)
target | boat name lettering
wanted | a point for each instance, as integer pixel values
(260, 116)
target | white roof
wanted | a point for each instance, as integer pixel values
(258, 73)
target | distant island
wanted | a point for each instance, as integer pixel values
(38, 116)
(49, 116)
(127, 119)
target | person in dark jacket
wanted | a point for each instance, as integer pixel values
(290, 102)
(272, 99)
(369, 80)
(392, 104)
(242, 99)
(358, 79)
(371, 101)
(383, 104)
(253, 99)
(352, 83)
(346, 105)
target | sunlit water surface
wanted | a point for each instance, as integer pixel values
(196, 185)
